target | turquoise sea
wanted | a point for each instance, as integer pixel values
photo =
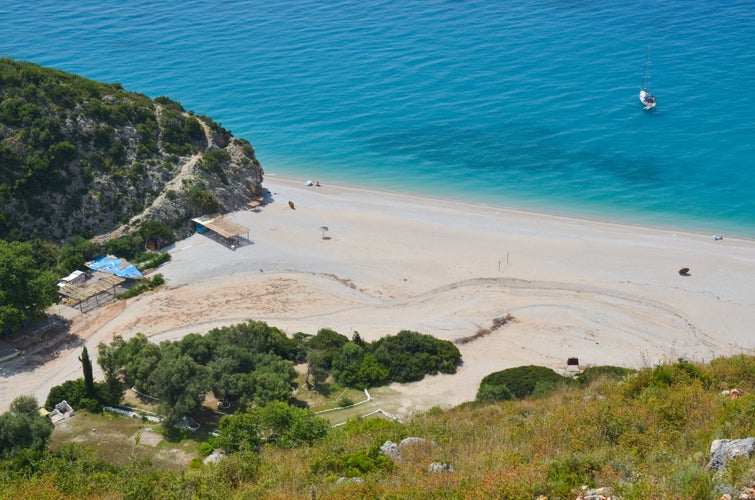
(529, 104)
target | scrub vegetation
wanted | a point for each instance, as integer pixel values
(643, 434)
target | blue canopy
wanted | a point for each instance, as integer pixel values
(114, 265)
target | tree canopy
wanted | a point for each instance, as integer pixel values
(26, 290)
(252, 363)
(22, 428)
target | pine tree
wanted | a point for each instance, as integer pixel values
(86, 364)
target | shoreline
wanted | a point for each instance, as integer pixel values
(606, 293)
(508, 208)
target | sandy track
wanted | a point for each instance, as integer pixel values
(607, 294)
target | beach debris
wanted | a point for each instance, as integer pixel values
(308, 183)
(323, 229)
(291, 204)
(684, 271)
(481, 332)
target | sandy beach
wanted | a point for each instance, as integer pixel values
(603, 293)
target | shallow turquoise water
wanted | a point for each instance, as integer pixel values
(527, 104)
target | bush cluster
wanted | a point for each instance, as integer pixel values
(405, 357)
(519, 383)
(143, 286)
(625, 434)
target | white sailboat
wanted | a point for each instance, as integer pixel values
(646, 97)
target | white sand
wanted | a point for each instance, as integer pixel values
(604, 293)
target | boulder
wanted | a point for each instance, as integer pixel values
(602, 493)
(410, 440)
(722, 450)
(391, 449)
(438, 467)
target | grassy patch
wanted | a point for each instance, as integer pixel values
(121, 440)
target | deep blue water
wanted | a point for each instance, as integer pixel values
(527, 103)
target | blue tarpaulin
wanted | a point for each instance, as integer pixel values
(114, 265)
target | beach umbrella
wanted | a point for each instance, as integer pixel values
(324, 230)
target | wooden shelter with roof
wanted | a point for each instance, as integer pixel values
(108, 277)
(93, 293)
(229, 231)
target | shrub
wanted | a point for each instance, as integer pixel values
(489, 393)
(409, 356)
(19, 431)
(521, 382)
(203, 200)
(72, 391)
(567, 473)
(145, 285)
(353, 464)
(156, 281)
(661, 376)
(215, 160)
(205, 448)
(127, 247)
(151, 260)
(345, 402)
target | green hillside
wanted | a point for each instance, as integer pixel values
(79, 157)
(629, 436)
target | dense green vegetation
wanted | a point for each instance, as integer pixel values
(276, 422)
(22, 428)
(405, 357)
(253, 364)
(26, 287)
(69, 146)
(643, 435)
(80, 157)
(29, 271)
(519, 382)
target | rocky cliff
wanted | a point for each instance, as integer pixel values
(79, 157)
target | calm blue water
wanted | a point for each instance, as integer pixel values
(526, 103)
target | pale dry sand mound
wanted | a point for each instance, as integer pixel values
(605, 293)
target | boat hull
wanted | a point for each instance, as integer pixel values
(647, 99)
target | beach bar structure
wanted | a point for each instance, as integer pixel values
(88, 296)
(229, 231)
(109, 276)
